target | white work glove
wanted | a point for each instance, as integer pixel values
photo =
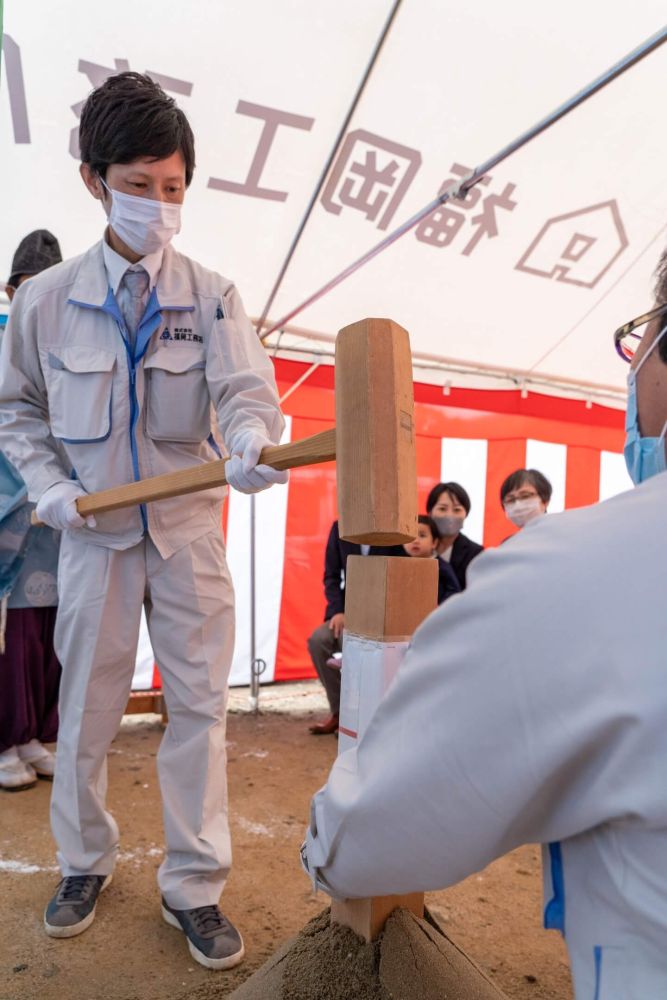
(57, 507)
(242, 471)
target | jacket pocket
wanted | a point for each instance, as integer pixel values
(176, 397)
(79, 384)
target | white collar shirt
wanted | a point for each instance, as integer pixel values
(116, 266)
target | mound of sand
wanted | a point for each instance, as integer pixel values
(411, 960)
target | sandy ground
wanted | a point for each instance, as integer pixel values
(274, 767)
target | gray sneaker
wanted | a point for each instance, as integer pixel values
(213, 941)
(72, 908)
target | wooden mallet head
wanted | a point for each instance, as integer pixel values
(373, 444)
(375, 440)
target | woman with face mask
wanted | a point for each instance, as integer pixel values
(449, 505)
(525, 496)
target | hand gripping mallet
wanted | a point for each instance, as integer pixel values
(373, 443)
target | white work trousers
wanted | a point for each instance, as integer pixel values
(189, 602)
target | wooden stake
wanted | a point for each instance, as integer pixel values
(367, 917)
(386, 598)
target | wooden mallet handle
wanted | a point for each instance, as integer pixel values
(309, 451)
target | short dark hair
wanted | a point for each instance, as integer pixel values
(661, 298)
(130, 116)
(455, 489)
(431, 525)
(517, 479)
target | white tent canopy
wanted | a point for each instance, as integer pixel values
(529, 277)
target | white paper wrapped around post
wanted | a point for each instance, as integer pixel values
(369, 668)
(386, 599)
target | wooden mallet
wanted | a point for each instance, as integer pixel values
(373, 443)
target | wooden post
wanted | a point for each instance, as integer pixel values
(386, 599)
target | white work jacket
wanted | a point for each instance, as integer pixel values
(78, 401)
(531, 708)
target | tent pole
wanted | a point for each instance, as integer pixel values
(461, 189)
(516, 376)
(254, 687)
(327, 166)
(257, 664)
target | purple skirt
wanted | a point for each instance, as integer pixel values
(29, 678)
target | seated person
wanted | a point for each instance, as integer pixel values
(425, 546)
(327, 639)
(449, 505)
(525, 496)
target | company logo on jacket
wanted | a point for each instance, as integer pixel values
(183, 334)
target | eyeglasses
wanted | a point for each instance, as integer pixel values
(626, 338)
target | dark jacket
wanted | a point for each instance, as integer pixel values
(463, 553)
(448, 583)
(335, 560)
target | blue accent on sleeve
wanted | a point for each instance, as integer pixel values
(597, 957)
(214, 444)
(15, 521)
(554, 911)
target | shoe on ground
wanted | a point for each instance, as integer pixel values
(326, 727)
(213, 941)
(42, 761)
(72, 909)
(15, 774)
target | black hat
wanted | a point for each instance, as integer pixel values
(36, 252)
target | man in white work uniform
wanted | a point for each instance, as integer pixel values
(109, 366)
(534, 708)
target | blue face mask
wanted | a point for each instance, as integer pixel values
(644, 456)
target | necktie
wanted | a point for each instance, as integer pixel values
(133, 288)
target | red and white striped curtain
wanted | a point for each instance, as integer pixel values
(475, 437)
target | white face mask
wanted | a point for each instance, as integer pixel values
(520, 512)
(143, 224)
